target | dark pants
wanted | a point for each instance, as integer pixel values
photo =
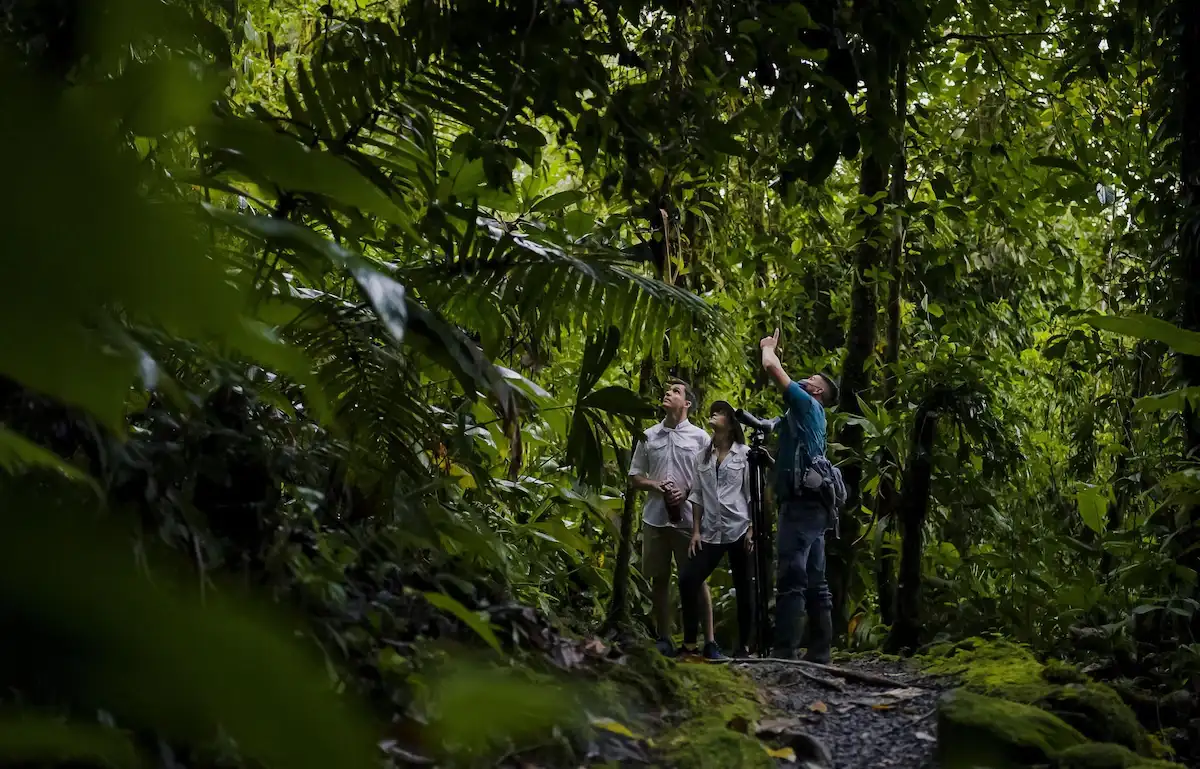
(699, 568)
(800, 582)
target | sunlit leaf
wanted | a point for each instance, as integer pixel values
(1145, 327)
(466, 616)
(1093, 507)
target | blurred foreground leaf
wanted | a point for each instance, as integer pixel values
(31, 738)
(18, 453)
(86, 627)
(477, 707)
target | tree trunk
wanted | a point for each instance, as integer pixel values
(1189, 247)
(914, 504)
(878, 148)
(618, 608)
(885, 502)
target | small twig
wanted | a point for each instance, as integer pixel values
(829, 683)
(849, 675)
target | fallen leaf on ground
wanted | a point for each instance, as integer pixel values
(782, 726)
(596, 646)
(784, 754)
(926, 736)
(615, 727)
(906, 693)
(881, 706)
(819, 707)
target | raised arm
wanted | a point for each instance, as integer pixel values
(770, 361)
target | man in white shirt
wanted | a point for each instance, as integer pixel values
(664, 465)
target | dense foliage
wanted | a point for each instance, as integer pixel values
(360, 306)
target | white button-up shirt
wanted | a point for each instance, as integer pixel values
(723, 491)
(668, 453)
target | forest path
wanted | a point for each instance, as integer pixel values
(884, 717)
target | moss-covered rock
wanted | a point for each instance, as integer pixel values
(1100, 714)
(1008, 671)
(1106, 755)
(713, 733)
(980, 731)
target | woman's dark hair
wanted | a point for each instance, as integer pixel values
(735, 427)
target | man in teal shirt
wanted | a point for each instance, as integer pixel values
(800, 584)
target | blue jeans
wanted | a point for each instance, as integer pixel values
(800, 582)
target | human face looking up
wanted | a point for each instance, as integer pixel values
(815, 386)
(675, 400)
(719, 422)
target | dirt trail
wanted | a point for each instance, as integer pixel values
(886, 717)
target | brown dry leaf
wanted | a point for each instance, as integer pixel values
(596, 646)
(906, 693)
(881, 706)
(784, 726)
(819, 707)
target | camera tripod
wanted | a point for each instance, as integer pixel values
(760, 464)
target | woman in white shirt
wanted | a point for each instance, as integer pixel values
(721, 525)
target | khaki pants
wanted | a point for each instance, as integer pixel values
(661, 545)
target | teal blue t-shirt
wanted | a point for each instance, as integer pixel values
(808, 413)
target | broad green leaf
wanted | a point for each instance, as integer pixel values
(1173, 401)
(286, 162)
(557, 202)
(155, 97)
(1063, 164)
(28, 738)
(96, 631)
(116, 250)
(1093, 507)
(466, 616)
(479, 707)
(386, 295)
(1145, 327)
(619, 400)
(18, 452)
(561, 534)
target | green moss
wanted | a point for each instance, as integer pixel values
(1008, 671)
(1099, 713)
(1105, 755)
(998, 668)
(975, 730)
(720, 705)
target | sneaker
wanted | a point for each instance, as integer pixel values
(665, 647)
(712, 652)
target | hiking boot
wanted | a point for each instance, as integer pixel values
(712, 652)
(665, 647)
(789, 639)
(822, 637)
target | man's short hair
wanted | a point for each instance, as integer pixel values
(688, 393)
(830, 397)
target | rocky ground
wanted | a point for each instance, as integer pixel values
(885, 718)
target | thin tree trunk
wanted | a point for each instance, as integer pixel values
(914, 504)
(618, 608)
(1189, 247)
(885, 502)
(860, 338)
